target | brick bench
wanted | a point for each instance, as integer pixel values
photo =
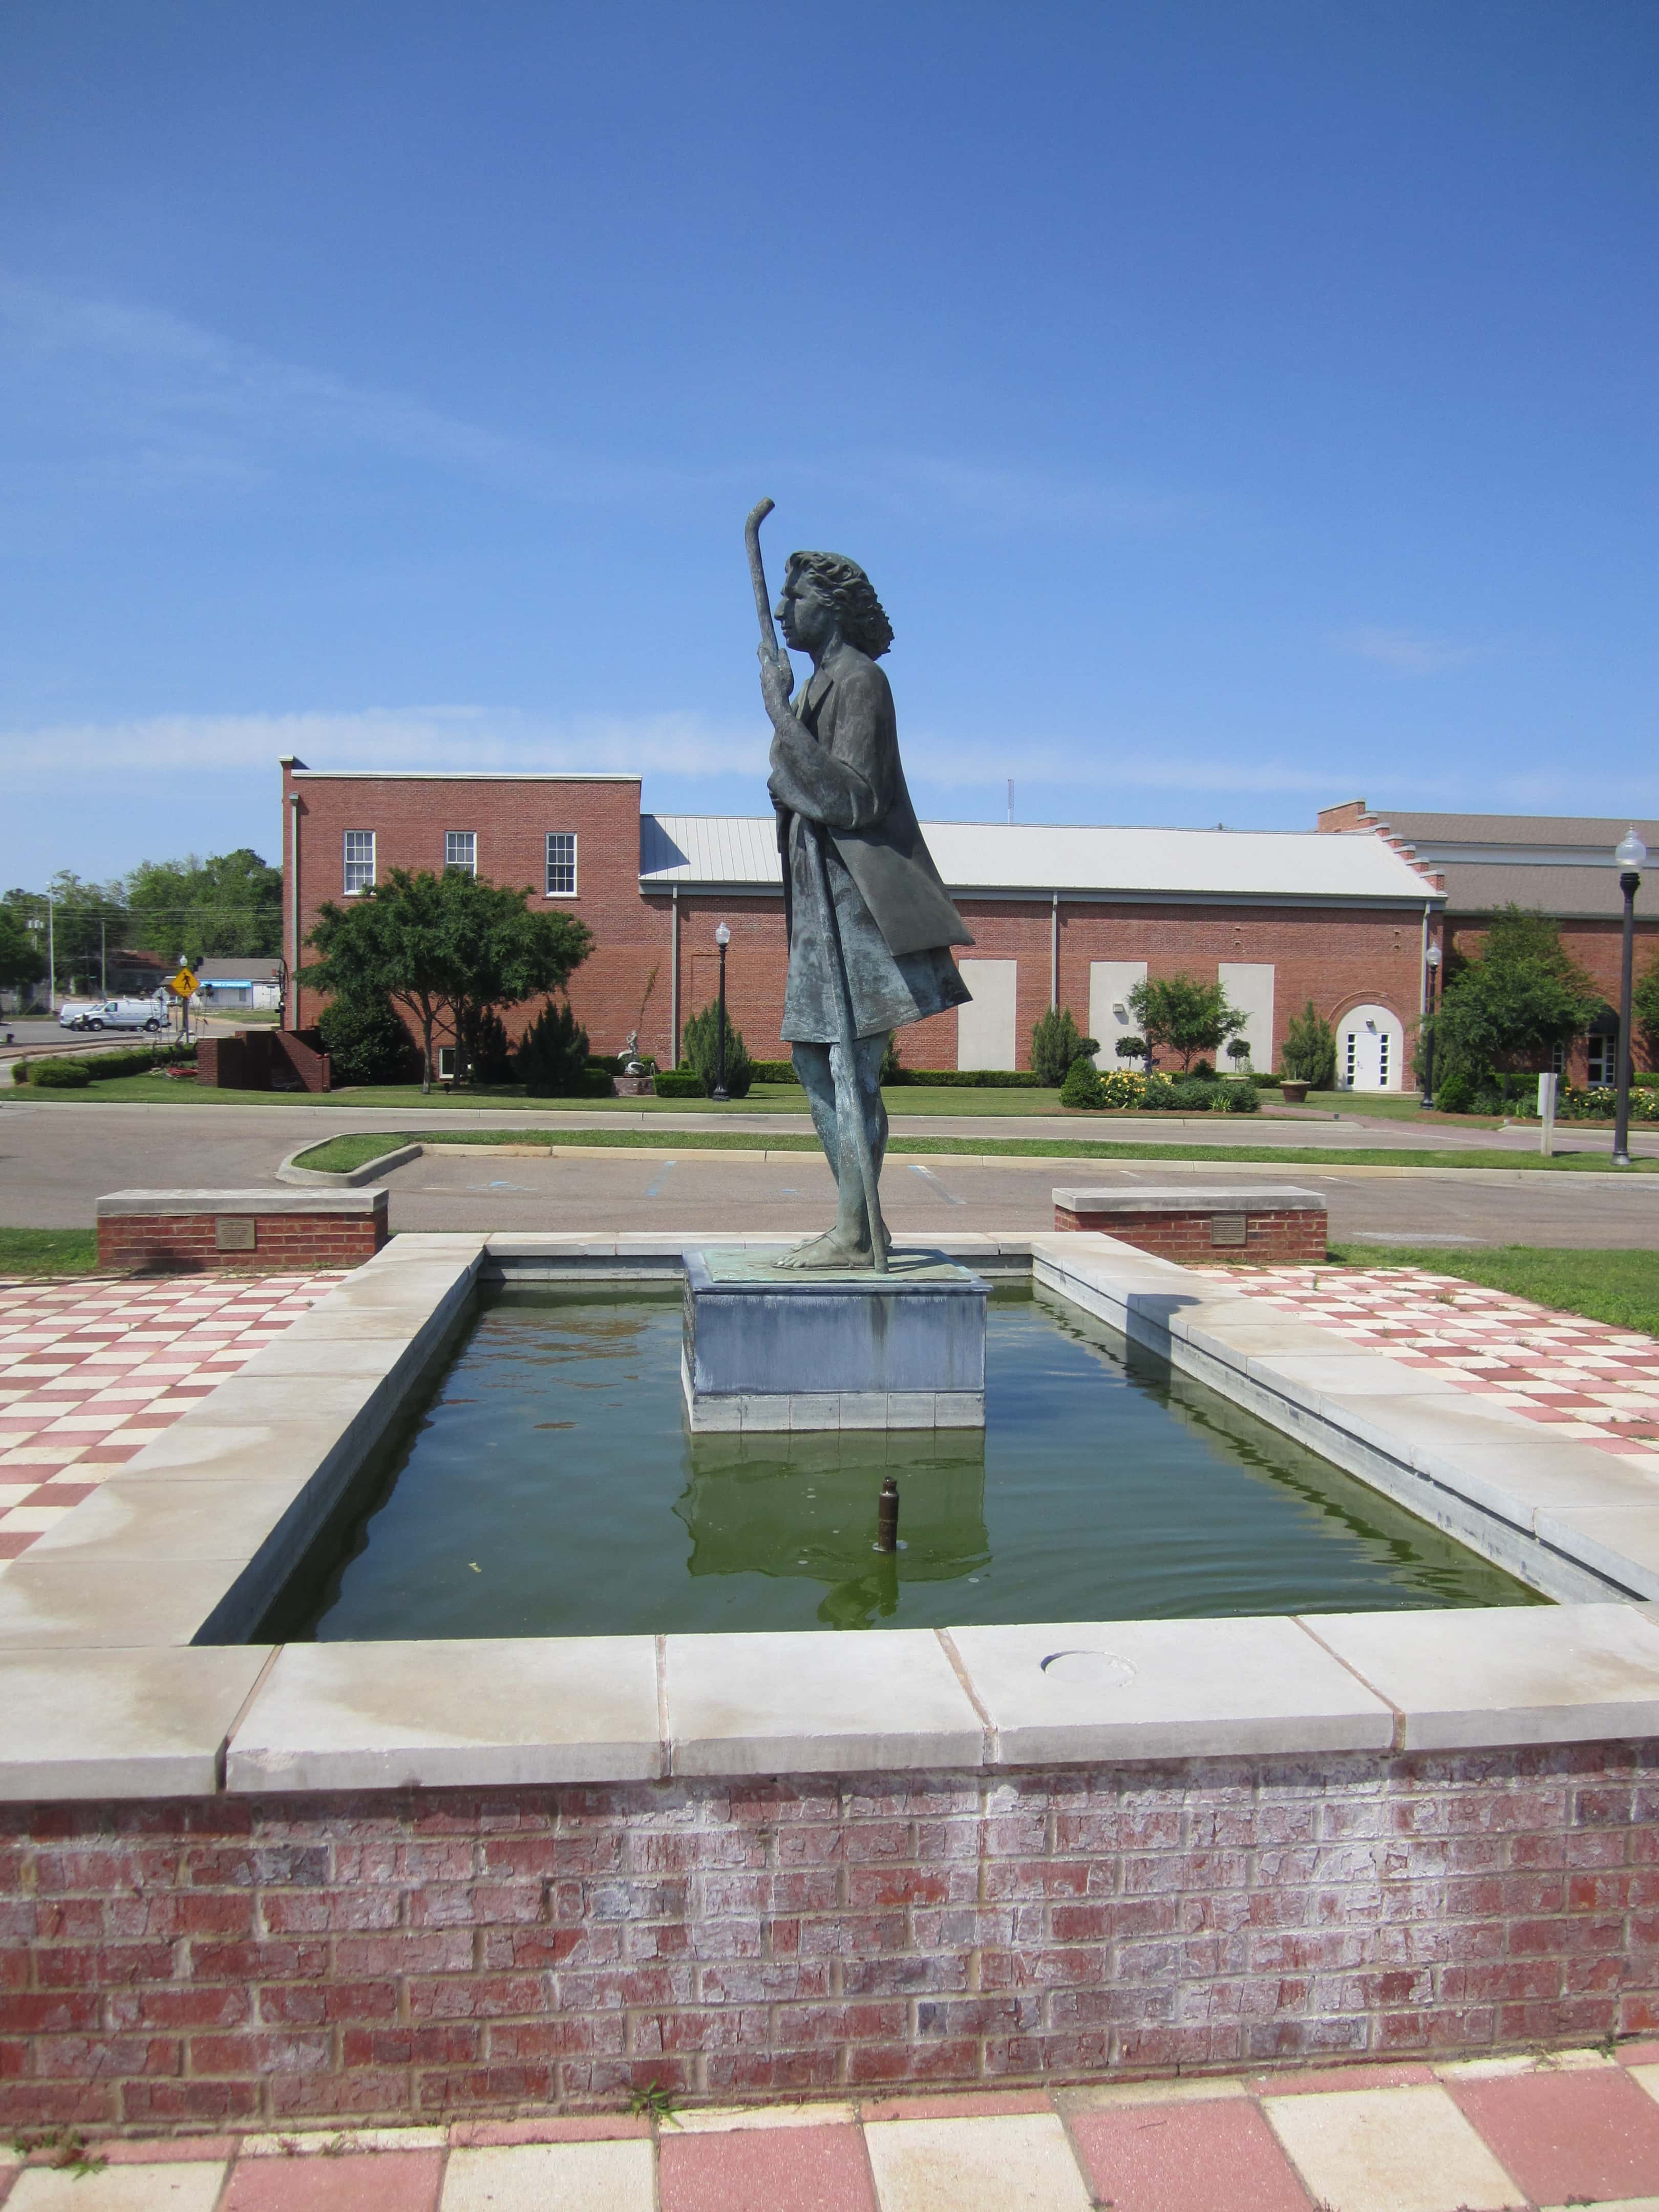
(265, 1229)
(1262, 1223)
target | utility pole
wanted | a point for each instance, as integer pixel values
(52, 960)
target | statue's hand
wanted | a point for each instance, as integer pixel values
(777, 681)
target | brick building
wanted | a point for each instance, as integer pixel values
(1559, 865)
(1075, 916)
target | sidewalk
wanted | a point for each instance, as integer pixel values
(1569, 2127)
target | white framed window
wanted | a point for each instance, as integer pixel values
(445, 1063)
(359, 859)
(1601, 1054)
(561, 864)
(461, 850)
(1558, 1059)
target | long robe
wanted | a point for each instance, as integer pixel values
(896, 922)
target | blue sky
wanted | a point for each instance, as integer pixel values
(1238, 407)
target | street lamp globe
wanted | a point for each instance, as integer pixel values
(1432, 956)
(722, 937)
(1630, 851)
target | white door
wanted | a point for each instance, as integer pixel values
(985, 1036)
(1371, 1050)
(1249, 985)
(1110, 982)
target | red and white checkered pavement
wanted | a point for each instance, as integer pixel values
(91, 1370)
(1587, 1381)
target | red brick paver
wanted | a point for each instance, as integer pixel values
(1167, 2158)
(1576, 2127)
(1562, 2136)
(1584, 1379)
(90, 1370)
(760, 2169)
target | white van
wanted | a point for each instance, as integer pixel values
(113, 1014)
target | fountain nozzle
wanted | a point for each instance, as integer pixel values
(887, 1516)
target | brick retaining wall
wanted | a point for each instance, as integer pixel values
(1192, 1236)
(199, 1961)
(278, 1228)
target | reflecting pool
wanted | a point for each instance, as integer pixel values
(549, 1486)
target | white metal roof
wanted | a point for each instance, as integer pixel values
(737, 850)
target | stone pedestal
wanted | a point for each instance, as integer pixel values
(767, 1349)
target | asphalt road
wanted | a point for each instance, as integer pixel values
(56, 1159)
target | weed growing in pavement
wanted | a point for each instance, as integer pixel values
(73, 2156)
(654, 2103)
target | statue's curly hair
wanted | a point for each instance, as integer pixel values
(863, 619)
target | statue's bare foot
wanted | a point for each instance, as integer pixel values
(833, 1250)
(830, 1250)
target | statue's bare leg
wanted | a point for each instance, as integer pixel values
(847, 1244)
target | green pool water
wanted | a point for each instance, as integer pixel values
(549, 1486)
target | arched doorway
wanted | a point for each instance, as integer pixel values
(1371, 1050)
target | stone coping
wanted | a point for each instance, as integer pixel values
(123, 1677)
(1214, 1197)
(118, 1204)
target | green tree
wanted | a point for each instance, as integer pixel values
(1185, 1015)
(367, 1039)
(1520, 995)
(1644, 1007)
(87, 919)
(551, 1062)
(226, 906)
(22, 951)
(444, 946)
(1309, 1054)
(700, 1047)
(1056, 1041)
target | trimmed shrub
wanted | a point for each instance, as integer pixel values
(971, 1078)
(1309, 1054)
(1082, 1086)
(700, 1049)
(367, 1043)
(1456, 1093)
(1056, 1045)
(551, 1062)
(1131, 1047)
(679, 1083)
(1242, 1097)
(782, 1071)
(59, 1075)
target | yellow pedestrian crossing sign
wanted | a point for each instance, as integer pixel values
(183, 984)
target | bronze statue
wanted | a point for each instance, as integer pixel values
(870, 924)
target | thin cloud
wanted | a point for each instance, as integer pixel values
(154, 403)
(188, 404)
(1404, 652)
(388, 738)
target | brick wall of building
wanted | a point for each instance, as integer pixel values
(1339, 958)
(446, 1953)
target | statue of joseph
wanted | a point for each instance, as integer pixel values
(834, 765)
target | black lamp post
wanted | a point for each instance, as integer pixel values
(722, 937)
(1630, 853)
(1432, 956)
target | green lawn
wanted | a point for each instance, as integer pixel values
(338, 1155)
(48, 1251)
(1619, 1287)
